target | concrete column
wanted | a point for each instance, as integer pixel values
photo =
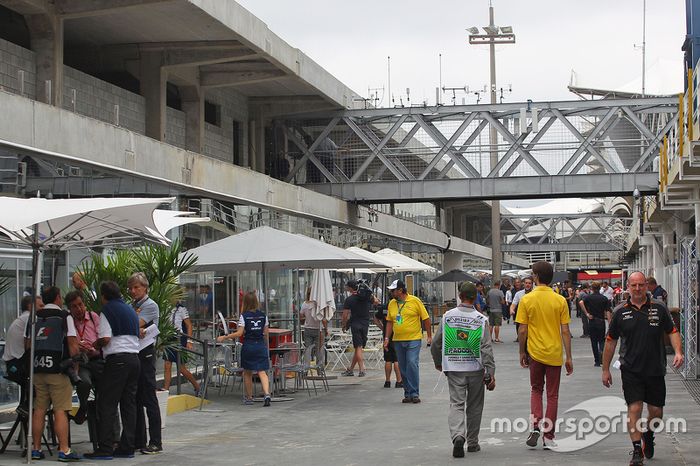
(257, 139)
(442, 221)
(250, 154)
(193, 106)
(153, 88)
(451, 261)
(46, 33)
(260, 143)
(449, 221)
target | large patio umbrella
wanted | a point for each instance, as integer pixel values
(60, 224)
(455, 276)
(265, 248)
(404, 263)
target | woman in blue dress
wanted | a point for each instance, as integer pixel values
(255, 356)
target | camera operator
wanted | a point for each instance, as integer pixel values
(356, 318)
(54, 340)
(15, 357)
(87, 324)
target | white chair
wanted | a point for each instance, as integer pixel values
(337, 345)
(374, 350)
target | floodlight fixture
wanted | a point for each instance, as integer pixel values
(473, 30)
(491, 30)
(507, 30)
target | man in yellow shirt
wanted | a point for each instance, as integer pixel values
(544, 319)
(406, 318)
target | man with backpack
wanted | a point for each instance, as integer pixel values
(356, 317)
(54, 341)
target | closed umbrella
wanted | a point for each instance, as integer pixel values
(322, 296)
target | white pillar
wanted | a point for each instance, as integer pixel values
(451, 261)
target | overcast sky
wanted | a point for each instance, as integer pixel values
(594, 37)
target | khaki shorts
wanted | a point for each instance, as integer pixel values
(53, 390)
(495, 319)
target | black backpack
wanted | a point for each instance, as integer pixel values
(48, 344)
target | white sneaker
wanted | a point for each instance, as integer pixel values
(550, 444)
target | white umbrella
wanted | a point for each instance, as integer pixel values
(265, 248)
(324, 301)
(63, 223)
(322, 294)
(404, 263)
(386, 263)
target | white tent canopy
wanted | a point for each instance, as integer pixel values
(65, 223)
(404, 263)
(266, 248)
(385, 263)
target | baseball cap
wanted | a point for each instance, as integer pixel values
(396, 284)
(468, 289)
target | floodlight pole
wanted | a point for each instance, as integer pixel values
(492, 37)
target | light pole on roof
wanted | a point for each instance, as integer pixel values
(493, 35)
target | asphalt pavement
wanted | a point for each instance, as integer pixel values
(361, 423)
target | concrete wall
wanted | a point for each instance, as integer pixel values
(218, 140)
(86, 140)
(175, 127)
(97, 99)
(14, 58)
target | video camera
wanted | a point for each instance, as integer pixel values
(68, 369)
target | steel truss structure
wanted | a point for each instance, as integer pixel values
(545, 149)
(689, 306)
(586, 232)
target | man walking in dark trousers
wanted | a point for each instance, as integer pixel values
(119, 342)
(596, 309)
(641, 322)
(148, 314)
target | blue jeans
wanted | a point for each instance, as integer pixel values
(408, 353)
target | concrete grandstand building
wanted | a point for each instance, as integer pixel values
(178, 97)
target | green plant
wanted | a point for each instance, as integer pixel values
(161, 264)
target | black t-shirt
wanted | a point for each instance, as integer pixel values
(642, 350)
(359, 310)
(380, 315)
(597, 305)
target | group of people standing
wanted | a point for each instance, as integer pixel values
(111, 353)
(463, 351)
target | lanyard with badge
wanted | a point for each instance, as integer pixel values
(399, 318)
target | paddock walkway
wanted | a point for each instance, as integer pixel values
(361, 423)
